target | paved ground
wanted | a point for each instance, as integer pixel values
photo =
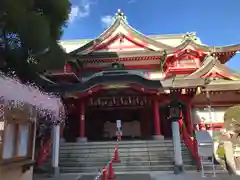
(61, 177)
(192, 176)
(154, 176)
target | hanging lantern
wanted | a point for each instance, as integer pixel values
(175, 109)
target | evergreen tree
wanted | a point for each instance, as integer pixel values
(232, 119)
(29, 34)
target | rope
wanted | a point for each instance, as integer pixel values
(110, 161)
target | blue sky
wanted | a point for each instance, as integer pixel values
(217, 22)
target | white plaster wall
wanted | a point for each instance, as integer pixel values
(70, 48)
(217, 115)
(15, 173)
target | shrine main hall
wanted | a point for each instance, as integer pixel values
(126, 75)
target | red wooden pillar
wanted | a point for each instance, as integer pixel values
(156, 118)
(189, 119)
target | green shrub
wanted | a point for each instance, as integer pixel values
(221, 152)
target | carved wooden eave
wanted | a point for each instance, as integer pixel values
(210, 66)
(120, 22)
(223, 86)
(120, 54)
(55, 77)
(46, 79)
(227, 51)
(205, 48)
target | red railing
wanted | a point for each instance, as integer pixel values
(191, 144)
(45, 149)
(44, 152)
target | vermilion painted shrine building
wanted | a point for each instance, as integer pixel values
(125, 75)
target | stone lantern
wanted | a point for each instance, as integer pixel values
(175, 114)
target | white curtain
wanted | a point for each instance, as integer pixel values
(23, 140)
(9, 141)
(135, 129)
(110, 129)
(127, 129)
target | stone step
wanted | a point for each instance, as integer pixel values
(124, 168)
(132, 150)
(107, 146)
(68, 163)
(148, 142)
(124, 161)
(122, 155)
(127, 168)
(119, 146)
(112, 149)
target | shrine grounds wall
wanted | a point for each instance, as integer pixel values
(217, 115)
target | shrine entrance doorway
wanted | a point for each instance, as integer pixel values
(134, 109)
(166, 123)
(101, 124)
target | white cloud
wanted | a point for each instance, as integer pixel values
(73, 14)
(80, 10)
(106, 20)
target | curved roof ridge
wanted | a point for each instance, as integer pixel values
(170, 35)
(227, 70)
(145, 37)
(120, 19)
(107, 31)
(208, 63)
(189, 40)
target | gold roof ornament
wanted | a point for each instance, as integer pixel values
(199, 90)
(190, 36)
(121, 15)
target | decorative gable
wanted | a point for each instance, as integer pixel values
(121, 42)
(216, 73)
(120, 36)
(212, 68)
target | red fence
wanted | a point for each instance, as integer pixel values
(191, 144)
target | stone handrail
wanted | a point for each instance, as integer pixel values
(237, 156)
(232, 154)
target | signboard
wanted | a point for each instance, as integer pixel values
(118, 124)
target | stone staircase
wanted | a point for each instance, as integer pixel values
(152, 155)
